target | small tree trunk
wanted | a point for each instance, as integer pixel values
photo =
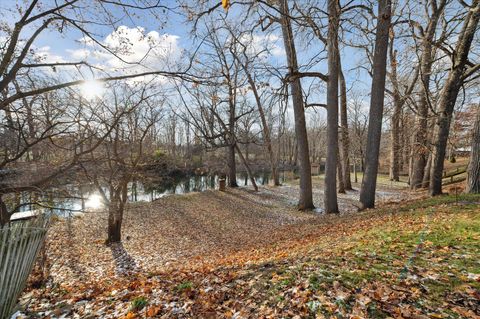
(4, 214)
(428, 167)
(341, 184)
(265, 127)
(473, 179)
(114, 223)
(247, 167)
(355, 170)
(369, 183)
(395, 148)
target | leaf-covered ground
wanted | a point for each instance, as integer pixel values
(417, 259)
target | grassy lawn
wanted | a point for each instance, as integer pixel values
(424, 265)
(420, 260)
(382, 180)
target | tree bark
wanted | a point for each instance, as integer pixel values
(420, 153)
(473, 177)
(116, 207)
(341, 181)
(306, 200)
(4, 213)
(345, 139)
(331, 203)
(114, 225)
(420, 146)
(428, 167)
(395, 147)
(232, 166)
(449, 95)
(355, 170)
(397, 109)
(369, 183)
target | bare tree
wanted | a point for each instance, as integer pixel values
(427, 56)
(116, 162)
(331, 204)
(400, 95)
(459, 72)
(367, 193)
(306, 200)
(344, 136)
(245, 62)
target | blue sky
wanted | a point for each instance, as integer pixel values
(66, 45)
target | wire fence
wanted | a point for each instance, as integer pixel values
(20, 242)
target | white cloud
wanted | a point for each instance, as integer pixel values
(133, 45)
(86, 41)
(263, 44)
(45, 55)
(132, 50)
(79, 54)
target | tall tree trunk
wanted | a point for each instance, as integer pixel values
(331, 203)
(397, 109)
(421, 143)
(306, 200)
(232, 166)
(449, 95)
(345, 151)
(473, 177)
(369, 183)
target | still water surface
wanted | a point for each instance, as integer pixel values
(87, 197)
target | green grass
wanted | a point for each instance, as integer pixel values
(433, 252)
(138, 303)
(184, 286)
(382, 179)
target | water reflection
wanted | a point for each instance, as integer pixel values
(76, 198)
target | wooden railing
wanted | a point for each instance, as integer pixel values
(20, 242)
(452, 176)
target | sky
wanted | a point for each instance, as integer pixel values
(166, 35)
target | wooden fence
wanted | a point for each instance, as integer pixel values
(20, 242)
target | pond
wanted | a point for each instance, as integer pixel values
(71, 199)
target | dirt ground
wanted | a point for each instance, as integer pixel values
(240, 254)
(194, 227)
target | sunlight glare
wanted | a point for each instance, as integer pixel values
(92, 89)
(94, 201)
